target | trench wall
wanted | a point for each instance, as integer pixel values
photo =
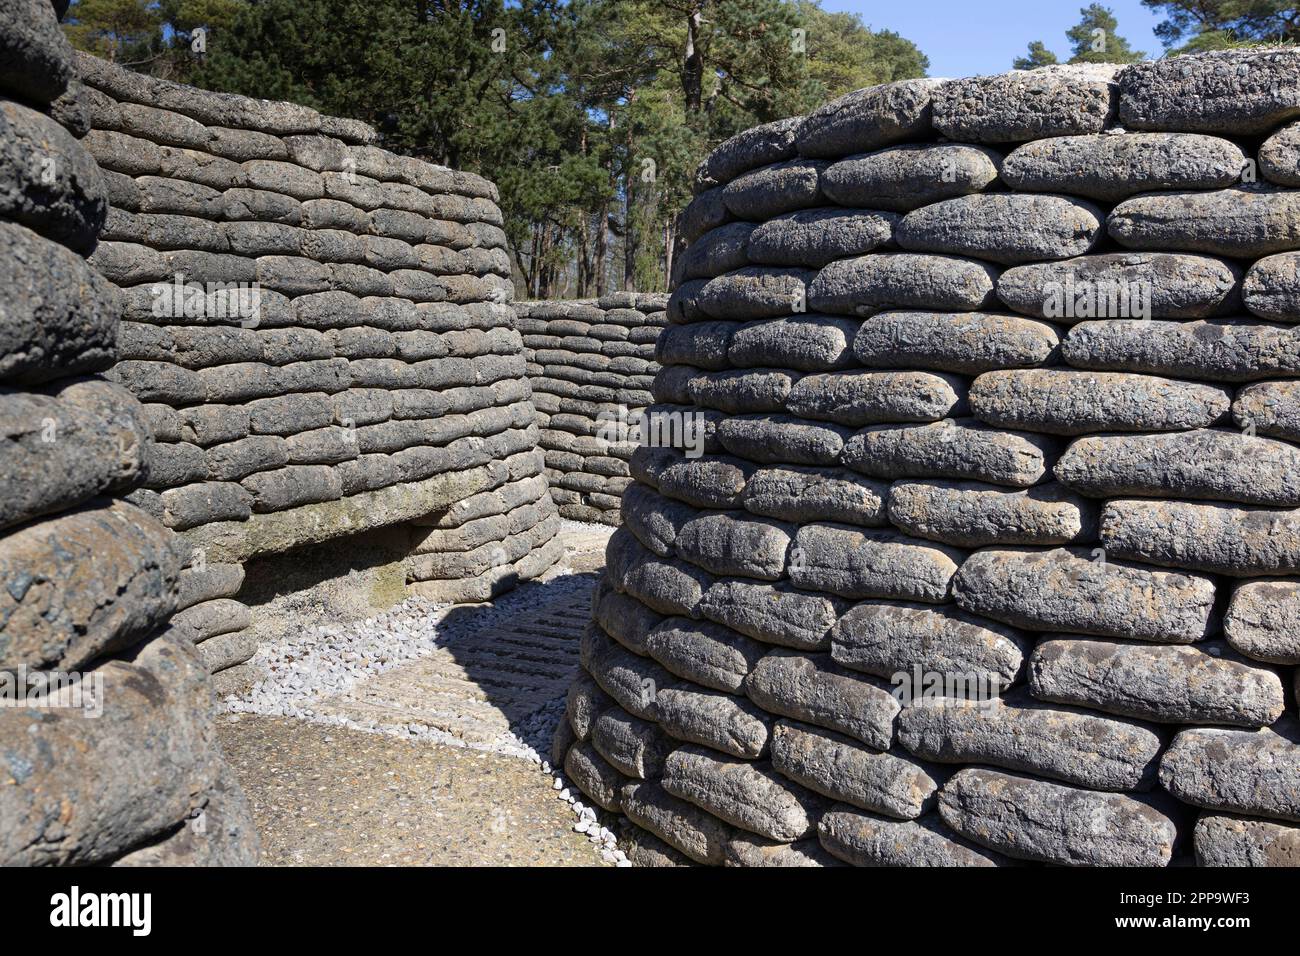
(591, 366)
(992, 553)
(320, 335)
(107, 750)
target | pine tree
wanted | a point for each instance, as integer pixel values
(1038, 55)
(1095, 38)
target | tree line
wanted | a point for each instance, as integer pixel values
(590, 115)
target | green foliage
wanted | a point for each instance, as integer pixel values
(1192, 25)
(1095, 39)
(1038, 55)
(590, 115)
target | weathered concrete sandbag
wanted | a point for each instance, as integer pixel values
(583, 704)
(867, 119)
(60, 317)
(1279, 156)
(84, 583)
(1263, 620)
(903, 178)
(132, 761)
(204, 502)
(1243, 221)
(704, 212)
(961, 448)
(782, 439)
(633, 747)
(1252, 772)
(1203, 463)
(1009, 228)
(221, 832)
(682, 825)
(1233, 92)
(865, 839)
(227, 650)
(50, 182)
(1076, 590)
(1173, 684)
(208, 583)
(1052, 823)
(1123, 285)
(561, 740)
(58, 450)
(1224, 839)
(745, 849)
(706, 653)
(801, 495)
(814, 237)
(814, 689)
(902, 280)
(874, 398)
(735, 543)
(1269, 408)
(894, 641)
(965, 342)
(723, 722)
(1065, 402)
(1027, 104)
(764, 193)
(1020, 733)
(1271, 289)
(970, 514)
(808, 343)
(1110, 167)
(1203, 536)
(632, 681)
(774, 613)
(736, 390)
(210, 618)
(655, 520)
(1226, 350)
(754, 147)
(623, 618)
(669, 587)
(590, 773)
(857, 562)
(713, 482)
(644, 849)
(749, 795)
(292, 486)
(701, 344)
(717, 251)
(35, 56)
(751, 293)
(885, 782)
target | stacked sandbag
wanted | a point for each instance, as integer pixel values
(318, 328)
(991, 552)
(106, 732)
(591, 364)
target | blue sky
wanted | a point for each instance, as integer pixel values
(967, 37)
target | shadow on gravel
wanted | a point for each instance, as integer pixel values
(518, 654)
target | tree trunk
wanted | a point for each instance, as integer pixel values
(693, 61)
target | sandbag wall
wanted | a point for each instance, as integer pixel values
(320, 333)
(591, 365)
(992, 554)
(107, 751)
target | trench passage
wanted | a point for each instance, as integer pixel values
(425, 762)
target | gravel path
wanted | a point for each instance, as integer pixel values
(325, 796)
(418, 737)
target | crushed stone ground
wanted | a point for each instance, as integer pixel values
(419, 736)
